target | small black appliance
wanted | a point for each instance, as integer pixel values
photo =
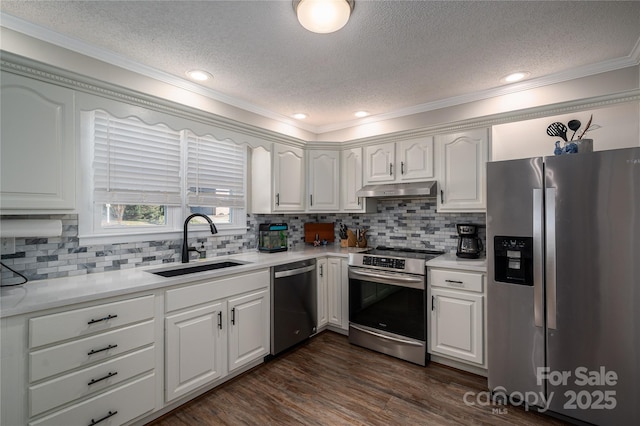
(469, 244)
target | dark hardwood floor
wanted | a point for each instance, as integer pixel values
(327, 381)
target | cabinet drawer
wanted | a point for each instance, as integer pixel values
(116, 406)
(59, 391)
(456, 279)
(198, 294)
(80, 322)
(79, 353)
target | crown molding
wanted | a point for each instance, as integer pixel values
(632, 60)
(86, 49)
(502, 118)
(30, 68)
(61, 40)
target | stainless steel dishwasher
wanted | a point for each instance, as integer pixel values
(294, 304)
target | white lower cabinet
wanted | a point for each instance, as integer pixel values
(334, 291)
(194, 349)
(333, 297)
(93, 364)
(249, 331)
(214, 328)
(115, 407)
(457, 329)
(322, 276)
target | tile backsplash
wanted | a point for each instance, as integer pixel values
(399, 223)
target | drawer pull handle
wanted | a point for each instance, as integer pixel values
(94, 381)
(111, 414)
(95, 351)
(454, 282)
(233, 316)
(107, 318)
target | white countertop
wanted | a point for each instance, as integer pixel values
(45, 294)
(450, 260)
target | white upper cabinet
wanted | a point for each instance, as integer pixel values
(403, 161)
(462, 171)
(288, 178)
(379, 163)
(38, 146)
(324, 179)
(277, 179)
(351, 182)
(416, 159)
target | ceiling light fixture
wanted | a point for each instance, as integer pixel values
(361, 114)
(516, 76)
(323, 16)
(199, 75)
(299, 116)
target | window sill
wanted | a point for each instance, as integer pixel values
(139, 237)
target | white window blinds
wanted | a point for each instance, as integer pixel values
(215, 172)
(135, 163)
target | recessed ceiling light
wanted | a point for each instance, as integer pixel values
(299, 116)
(361, 114)
(516, 76)
(199, 75)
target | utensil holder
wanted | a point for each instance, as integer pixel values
(584, 145)
(344, 243)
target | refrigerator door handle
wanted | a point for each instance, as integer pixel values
(538, 270)
(550, 259)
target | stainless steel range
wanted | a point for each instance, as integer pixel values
(387, 301)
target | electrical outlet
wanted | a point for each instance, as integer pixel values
(7, 245)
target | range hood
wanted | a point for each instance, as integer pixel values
(400, 190)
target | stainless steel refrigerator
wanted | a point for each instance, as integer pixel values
(563, 248)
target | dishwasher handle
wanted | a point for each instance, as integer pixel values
(291, 272)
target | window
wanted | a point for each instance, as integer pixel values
(145, 179)
(215, 183)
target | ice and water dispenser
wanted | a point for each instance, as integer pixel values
(513, 260)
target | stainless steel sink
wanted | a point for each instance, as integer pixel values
(197, 268)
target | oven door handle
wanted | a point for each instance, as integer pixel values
(391, 279)
(382, 336)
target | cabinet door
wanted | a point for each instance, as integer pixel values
(351, 178)
(456, 325)
(321, 268)
(288, 175)
(416, 159)
(463, 158)
(324, 180)
(261, 194)
(334, 285)
(379, 163)
(249, 330)
(194, 349)
(38, 159)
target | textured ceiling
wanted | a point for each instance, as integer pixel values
(391, 56)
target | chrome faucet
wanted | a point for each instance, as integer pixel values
(185, 248)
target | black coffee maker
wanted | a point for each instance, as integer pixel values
(469, 244)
